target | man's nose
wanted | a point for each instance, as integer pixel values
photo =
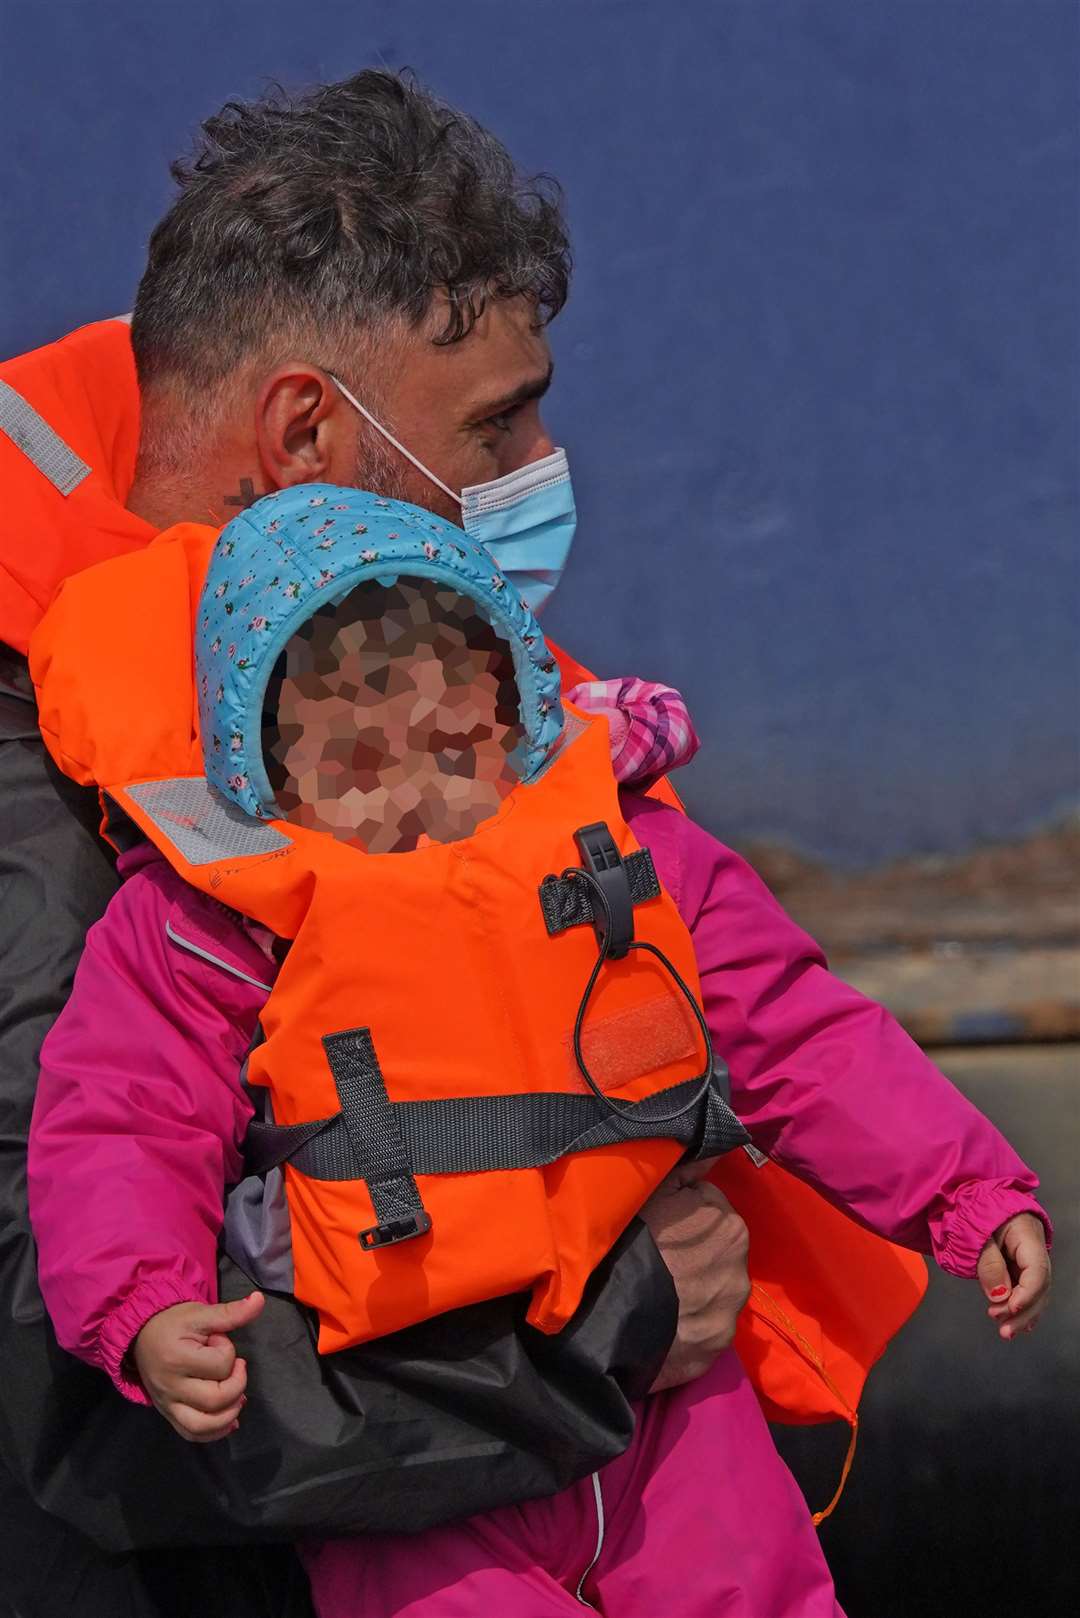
(539, 445)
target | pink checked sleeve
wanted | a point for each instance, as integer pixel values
(651, 729)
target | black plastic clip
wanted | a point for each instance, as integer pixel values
(604, 863)
(395, 1230)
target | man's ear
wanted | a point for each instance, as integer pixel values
(303, 427)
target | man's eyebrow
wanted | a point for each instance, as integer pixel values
(533, 388)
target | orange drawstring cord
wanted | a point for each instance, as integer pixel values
(787, 1326)
(819, 1517)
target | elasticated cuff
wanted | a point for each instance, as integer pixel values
(619, 726)
(962, 1232)
(119, 1330)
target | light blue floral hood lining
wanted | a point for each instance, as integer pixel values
(300, 549)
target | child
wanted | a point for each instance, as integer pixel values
(141, 1111)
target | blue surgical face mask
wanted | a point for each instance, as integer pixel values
(525, 520)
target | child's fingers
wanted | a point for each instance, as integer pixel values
(213, 1318)
(1023, 1318)
(1019, 1296)
(992, 1273)
(213, 1397)
(217, 1342)
(213, 1361)
(201, 1428)
(1020, 1324)
(1032, 1290)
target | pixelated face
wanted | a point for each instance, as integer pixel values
(392, 719)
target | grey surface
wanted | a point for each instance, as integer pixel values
(964, 1501)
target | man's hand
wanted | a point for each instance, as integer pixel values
(704, 1244)
(1014, 1273)
(189, 1367)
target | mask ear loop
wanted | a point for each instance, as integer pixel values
(390, 439)
(629, 1110)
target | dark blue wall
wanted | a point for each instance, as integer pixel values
(818, 376)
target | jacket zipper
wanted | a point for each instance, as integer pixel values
(215, 960)
(579, 1593)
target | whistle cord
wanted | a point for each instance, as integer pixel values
(630, 1109)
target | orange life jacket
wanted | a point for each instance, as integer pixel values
(424, 1008)
(827, 1295)
(445, 1147)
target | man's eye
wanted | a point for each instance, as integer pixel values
(503, 423)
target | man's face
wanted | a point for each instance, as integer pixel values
(395, 720)
(469, 410)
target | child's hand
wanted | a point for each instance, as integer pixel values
(189, 1367)
(1014, 1273)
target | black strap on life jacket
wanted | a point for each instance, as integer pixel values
(569, 903)
(387, 1143)
(375, 1139)
(479, 1134)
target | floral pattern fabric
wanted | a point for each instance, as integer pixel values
(307, 547)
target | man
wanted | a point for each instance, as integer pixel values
(363, 238)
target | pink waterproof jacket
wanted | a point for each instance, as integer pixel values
(140, 1109)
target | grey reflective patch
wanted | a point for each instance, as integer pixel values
(203, 825)
(39, 443)
(569, 734)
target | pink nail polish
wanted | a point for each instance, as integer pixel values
(999, 1292)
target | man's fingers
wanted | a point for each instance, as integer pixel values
(703, 1242)
(687, 1174)
(713, 1196)
(679, 1369)
(212, 1398)
(226, 1317)
(201, 1428)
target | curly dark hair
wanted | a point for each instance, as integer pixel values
(324, 213)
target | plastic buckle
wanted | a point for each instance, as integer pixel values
(604, 863)
(395, 1230)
